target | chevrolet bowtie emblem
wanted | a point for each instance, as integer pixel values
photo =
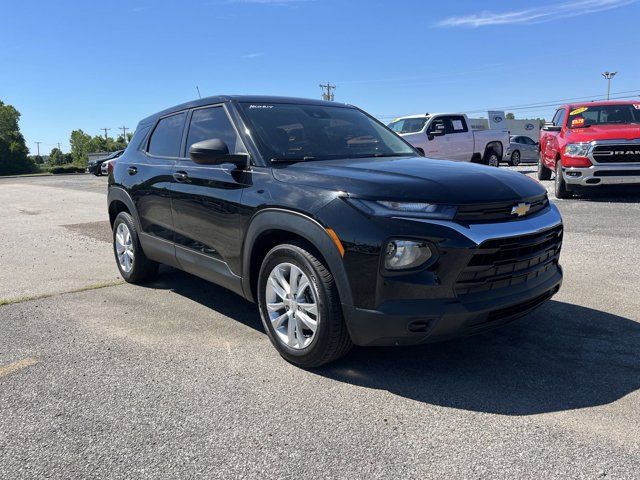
(521, 209)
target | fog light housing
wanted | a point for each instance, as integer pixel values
(406, 254)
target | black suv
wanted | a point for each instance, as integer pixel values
(333, 224)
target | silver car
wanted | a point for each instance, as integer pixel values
(522, 149)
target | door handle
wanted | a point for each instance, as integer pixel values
(181, 176)
(132, 170)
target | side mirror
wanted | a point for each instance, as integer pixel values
(550, 127)
(420, 151)
(215, 152)
(437, 132)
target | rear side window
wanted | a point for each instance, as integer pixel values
(166, 138)
(210, 123)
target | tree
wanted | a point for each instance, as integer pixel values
(13, 149)
(80, 146)
(56, 157)
(510, 116)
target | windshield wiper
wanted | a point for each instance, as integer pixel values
(291, 159)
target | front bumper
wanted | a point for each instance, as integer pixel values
(424, 321)
(602, 175)
(402, 318)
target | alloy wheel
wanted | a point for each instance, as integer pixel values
(124, 247)
(292, 306)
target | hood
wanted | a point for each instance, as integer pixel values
(413, 179)
(604, 132)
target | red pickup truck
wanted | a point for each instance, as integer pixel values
(589, 144)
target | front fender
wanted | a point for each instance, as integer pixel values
(271, 219)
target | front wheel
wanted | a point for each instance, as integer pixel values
(561, 185)
(515, 158)
(300, 307)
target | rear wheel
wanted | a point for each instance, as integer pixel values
(133, 264)
(515, 159)
(561, 185)
(300, 307)
(492, 159)
(543, 172)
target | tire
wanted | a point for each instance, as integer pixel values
(304, 348)
(543, 172)
(492, 159)
(139, 268)
(561, 185)
(515, 159)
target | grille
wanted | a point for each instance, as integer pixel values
(508, 262)
(617, 153)
(492, 212)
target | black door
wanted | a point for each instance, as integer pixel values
(206, 203)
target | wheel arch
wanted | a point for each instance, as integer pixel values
(118, 200)
(495, 146)
(274, 226)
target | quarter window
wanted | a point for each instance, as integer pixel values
(210, 123)
(167, 136)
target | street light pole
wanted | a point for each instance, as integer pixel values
(609, 76)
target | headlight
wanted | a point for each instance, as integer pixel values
(406, 254)
(577, 149)
(407, 209)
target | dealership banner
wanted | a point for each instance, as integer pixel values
(496, 119)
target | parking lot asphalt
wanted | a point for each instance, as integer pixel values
(176, 379)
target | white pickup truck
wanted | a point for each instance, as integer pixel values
(449, 136)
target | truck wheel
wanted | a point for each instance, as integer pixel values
(492, 159)
(300, 307)
(543, 172)
(561, 185)
(515, 159)
(133, 264)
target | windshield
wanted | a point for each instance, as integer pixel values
(408, 125)
(604, 115)
(291, 132)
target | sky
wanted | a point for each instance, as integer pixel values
(85, 64)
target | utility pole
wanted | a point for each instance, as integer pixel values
(105, 132)
(328, 95)
(38, 144)
(59, 147)
(124, 133)
(609, 76)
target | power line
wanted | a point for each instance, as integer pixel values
(328, 95)
(124, 133)
(548, 104)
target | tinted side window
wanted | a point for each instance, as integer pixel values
(558, 118)
(167, 136)
(209, 123)
(563, 114)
